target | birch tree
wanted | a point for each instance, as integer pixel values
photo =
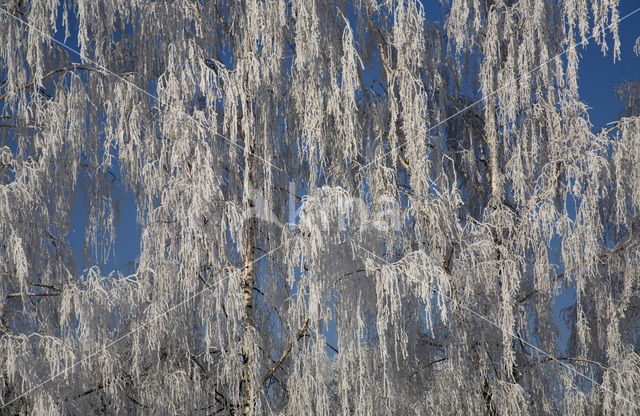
(345, 207)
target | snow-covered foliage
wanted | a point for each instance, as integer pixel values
(346, 207)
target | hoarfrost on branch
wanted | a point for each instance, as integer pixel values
(330, 194)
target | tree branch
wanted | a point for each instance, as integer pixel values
(73, 67)
(19, 295)
(284, 355)
(576, 359)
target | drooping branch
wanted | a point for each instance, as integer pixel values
(560, 169)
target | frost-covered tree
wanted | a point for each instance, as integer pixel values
(346, 207)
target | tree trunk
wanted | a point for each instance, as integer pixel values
(248, 277)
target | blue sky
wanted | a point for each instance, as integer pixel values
(599, 75)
